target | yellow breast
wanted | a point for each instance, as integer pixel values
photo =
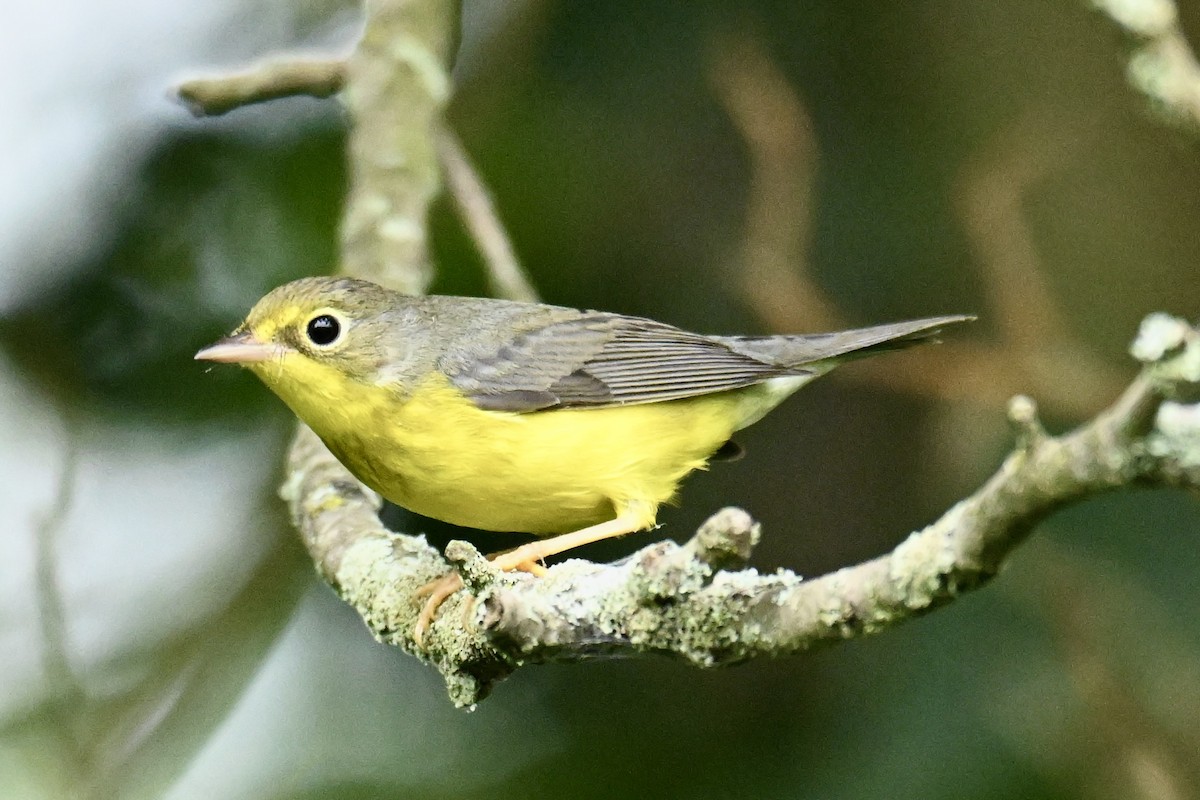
(436, 453)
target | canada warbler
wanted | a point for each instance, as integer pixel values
(518, 416)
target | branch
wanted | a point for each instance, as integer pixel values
(273, 80)
(683, 601)
(1037, 346)
(62, 678)
(397, 85)
(478, 212)
(666, 598)
(1161, 63)
(775, 272)
(270, 80)
(781, 144)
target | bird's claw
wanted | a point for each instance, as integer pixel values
(439, 591)
(436, 592)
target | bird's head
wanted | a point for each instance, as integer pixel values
(313, 331)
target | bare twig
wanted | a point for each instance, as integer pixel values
(478, 212)
(775, 274)
(51, 614)
(64, 685)
(270, 80)
(990, 198)
(782, 147)
(1038, 346)
(775, 271)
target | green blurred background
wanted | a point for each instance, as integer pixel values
(162, 633)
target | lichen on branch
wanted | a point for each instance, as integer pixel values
(697, 601)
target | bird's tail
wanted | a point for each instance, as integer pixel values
(800, 350)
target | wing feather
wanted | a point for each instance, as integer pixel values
(554, 357)
(597, 360)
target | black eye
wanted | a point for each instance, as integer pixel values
(323, 330)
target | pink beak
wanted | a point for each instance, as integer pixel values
(239, 348)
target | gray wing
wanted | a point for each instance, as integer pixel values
(597, 360)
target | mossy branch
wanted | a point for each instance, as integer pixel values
(270, 80)
(683, 600)
(695, 601)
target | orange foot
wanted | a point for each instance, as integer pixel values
(526, 558)
(439, 591)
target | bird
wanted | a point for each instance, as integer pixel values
(572, 425)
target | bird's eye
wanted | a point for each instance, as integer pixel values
(323, 330)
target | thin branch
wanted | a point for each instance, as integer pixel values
(1161, 65)
(64, 685)
(782, 146)
(478, 212)
(775, 271)
(51, 610)
(270, 80)
(397, 85)
(1038, 345)
(1038, 349)
(323, 78)
(991, 195)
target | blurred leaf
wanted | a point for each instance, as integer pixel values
(220, 221)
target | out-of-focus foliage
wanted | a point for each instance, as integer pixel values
(122, 333)
(162, 635)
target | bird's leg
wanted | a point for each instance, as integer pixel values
(435, 593)
(525, 558)
(536, 551)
